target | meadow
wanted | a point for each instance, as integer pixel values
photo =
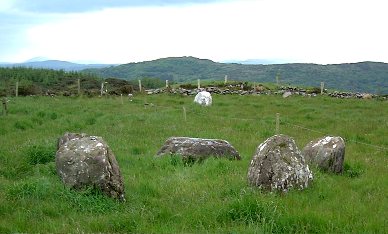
(165, 196)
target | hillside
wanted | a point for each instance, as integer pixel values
(34, 81)
(369, 77)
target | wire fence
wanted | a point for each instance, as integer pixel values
(276, 120)
(346, 139)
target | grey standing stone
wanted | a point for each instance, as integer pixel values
(69, 136)
(198, 149)
(278, 165)
(327, 153)
(87, 161)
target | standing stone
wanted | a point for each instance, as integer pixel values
(198, 149)
(278, 165)
(87, 161)
(203, 98)
(67, 137)
(327, 153)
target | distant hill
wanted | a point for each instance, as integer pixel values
(369, 77)
(55, 65)
(41, 81)
(257, 61)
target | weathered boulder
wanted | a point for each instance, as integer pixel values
(86, 161)
(367, 96)
(67, 137)
(198, 149)
(203, 98)
(287, 94)
(278, 165)
(326, 153)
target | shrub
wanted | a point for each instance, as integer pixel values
(126, 89)
(31, 89)
(188, 86)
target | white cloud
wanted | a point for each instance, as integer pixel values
(5, 5)
(301, 30)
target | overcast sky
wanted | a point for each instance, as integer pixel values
(123, 31)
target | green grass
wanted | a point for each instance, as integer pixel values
(165, 196)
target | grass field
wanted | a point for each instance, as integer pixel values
(164, 196)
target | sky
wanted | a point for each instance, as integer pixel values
(124, 31)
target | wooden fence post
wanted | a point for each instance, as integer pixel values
(17, 89)
(4, 101)
(184, 114)
(322, 87)
(102, 88)
(199, 83)
(226, 79)
(79, 86)
(140, 86)
(121, 96)
(166, 83)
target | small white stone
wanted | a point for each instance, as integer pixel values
(203, 98)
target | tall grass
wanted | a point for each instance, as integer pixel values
(163, 195)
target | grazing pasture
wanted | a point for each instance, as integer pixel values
(165, 196)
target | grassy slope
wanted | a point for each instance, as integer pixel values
(162, 195)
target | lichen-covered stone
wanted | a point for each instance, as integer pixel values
(87, 161)
(278, 165)
(198, 149)
(69, 136)
(327, 153)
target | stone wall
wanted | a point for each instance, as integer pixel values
(236, 90)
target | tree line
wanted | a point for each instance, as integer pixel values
(36, 81)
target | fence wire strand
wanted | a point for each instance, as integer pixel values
(168, 108)
(346, 139)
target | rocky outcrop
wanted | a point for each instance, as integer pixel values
(326, 153)
(278, 165)
(198, 149)
(87, 161)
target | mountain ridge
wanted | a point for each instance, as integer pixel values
(365, 76)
